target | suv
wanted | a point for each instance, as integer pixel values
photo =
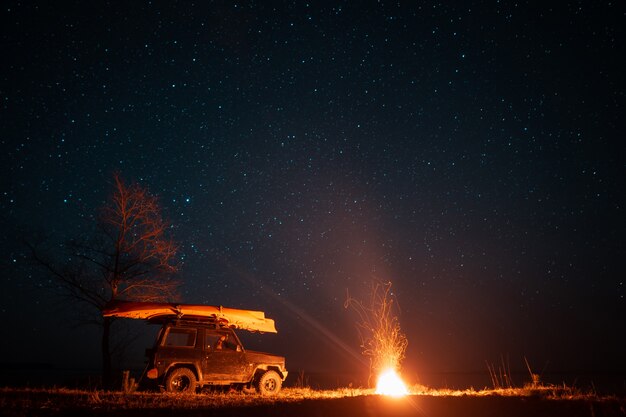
(192, 354)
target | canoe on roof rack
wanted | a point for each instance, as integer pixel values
(253, 321)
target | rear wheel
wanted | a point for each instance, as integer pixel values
(269, 383)
(181, 380)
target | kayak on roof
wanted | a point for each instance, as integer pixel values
(254, 321)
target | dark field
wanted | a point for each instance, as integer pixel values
(302, 403)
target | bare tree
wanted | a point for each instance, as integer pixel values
(128, 257)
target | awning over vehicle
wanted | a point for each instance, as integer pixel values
(253, 321)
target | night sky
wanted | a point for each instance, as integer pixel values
(470, 152)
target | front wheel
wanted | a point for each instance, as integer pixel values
(181, 380)
(269, 383)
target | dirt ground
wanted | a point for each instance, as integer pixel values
(15, 403)
(429, 406)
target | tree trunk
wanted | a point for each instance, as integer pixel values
(107, 372)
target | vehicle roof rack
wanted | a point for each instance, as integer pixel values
(195, 320)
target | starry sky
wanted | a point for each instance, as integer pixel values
(470, 152)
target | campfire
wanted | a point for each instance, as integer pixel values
(381, 339)
(389, 383)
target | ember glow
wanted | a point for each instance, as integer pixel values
(381, 338)
(390, 383)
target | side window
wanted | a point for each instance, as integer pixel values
(211, 342)
(179, 337)
(221, 341)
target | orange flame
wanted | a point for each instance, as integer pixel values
(390, 383)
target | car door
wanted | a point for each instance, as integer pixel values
(224, 359)
(177, 346)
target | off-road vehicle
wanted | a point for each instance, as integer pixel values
(198, 347)
(192, 354)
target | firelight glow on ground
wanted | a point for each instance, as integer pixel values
(390, 383)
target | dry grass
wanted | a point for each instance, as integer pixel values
(62, 398)
(549, 392)
(57, 399)
(301, 402)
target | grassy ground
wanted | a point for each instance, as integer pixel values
(303, 402)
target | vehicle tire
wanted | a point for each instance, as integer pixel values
(181, 380)
(269, 383)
